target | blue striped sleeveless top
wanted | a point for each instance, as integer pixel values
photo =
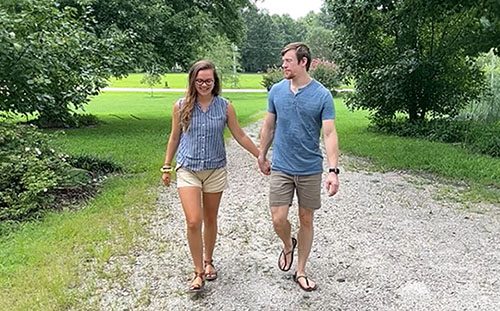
(202, 146)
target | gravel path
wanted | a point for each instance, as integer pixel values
(383, 243)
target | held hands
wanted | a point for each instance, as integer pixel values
(332, 184)
(264, 165)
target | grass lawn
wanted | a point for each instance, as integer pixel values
(41, 264)
(178, 81)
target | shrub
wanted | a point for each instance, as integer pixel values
(484, 138)
(478, 137)
(487, 106)
(273, 75)
(323, 71)
(327, 73)
(93, 164)
(67, 121)
(33, 173)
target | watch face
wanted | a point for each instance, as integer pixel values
(334, 170)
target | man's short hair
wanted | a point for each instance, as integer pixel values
(301, 51)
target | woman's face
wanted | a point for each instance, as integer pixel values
(204, 82)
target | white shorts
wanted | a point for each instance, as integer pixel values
(210, 181)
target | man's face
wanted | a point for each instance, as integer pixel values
(291, 66)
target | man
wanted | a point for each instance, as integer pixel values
(298, 108)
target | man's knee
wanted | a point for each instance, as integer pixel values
(279, 216)
(306, 217)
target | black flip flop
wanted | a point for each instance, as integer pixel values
(308, 288)
(289, 265)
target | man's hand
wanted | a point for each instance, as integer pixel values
(264, 165)
(332, 184)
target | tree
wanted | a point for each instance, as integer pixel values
(225, 56)
(321, 41)
(166, 32)
(49, 61)
(55, 54)
(262, 44)
(151, 77)
(289, 29)
(413, 56)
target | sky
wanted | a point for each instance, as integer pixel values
(294, 8)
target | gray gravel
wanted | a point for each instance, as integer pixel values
(384, 242)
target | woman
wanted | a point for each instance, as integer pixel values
(197, 135)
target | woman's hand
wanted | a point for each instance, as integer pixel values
(166, 178)
(264, 165)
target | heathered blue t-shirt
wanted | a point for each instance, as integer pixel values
(296, 146)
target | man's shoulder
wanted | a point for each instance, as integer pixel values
(319, 87)
(280, 86)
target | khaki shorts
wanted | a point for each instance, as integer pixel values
(283, 186)
(210, 181)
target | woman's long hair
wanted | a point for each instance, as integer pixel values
(187, 107)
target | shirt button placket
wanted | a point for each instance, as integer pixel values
(203, 145)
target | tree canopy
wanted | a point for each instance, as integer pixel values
(413, 56)
(55, 54)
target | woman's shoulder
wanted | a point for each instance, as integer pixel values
(222, 100)
(179, 102)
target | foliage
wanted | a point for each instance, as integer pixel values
(226, 57)
(324, 71)
(151, 78)
(271, 77)
(478, 137)
(166, 33)
(413, 56)
(289, 30)
(262, 45)
(32, 173)
(55, 54)
(94, 164)
(49, 61)
(327, 73)
(487, 107)
(321, 41)
(71, 120)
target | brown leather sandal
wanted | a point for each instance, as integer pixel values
(211, 275)
(195, 287)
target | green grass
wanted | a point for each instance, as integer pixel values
(452, 163)
(43, 263)
(179, 81)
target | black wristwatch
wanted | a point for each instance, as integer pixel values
(334, 170)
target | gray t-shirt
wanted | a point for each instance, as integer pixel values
(299, 119)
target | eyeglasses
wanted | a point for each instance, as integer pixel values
(200, 82)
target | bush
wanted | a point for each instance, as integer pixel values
(484, 138)
(33, 173)
(94, 164)
(487, 107)
(272, 76)
(67, 121)
(327, 73)
(478, 137)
